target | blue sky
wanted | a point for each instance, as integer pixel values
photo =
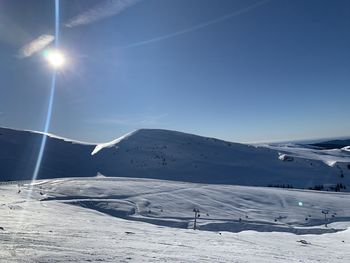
(240, 70)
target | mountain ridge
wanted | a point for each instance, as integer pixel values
(173, 155)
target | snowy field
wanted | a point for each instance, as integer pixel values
(105, 219)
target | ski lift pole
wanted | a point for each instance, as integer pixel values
(196, 215)
(325, 212)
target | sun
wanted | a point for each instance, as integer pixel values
(55, 58)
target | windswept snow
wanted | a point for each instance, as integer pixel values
(113, 143)
(84, 220)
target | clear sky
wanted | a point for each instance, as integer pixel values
(240, 70)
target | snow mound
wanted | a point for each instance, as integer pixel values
(285, 157)
(346, 148)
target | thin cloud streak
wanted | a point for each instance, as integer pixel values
(194, 28)
(100, 11)
(105, 9)
(35, 46)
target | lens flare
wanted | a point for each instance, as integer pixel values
(55, 58)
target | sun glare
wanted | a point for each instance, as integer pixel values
(55, 58)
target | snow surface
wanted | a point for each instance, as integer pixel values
(105, 219)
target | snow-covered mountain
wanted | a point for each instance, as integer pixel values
(174, 155)
(62, 158)
(171, 155)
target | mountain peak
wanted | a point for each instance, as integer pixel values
(146, 135)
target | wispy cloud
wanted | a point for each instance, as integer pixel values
(199, 26)
(100, 11)
(149, 120)
(35, 46)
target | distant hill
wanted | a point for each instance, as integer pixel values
(19, 151)
(333, 144)
(172, 155)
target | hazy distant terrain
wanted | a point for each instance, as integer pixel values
(333, 144)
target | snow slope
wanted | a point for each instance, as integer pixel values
(83, 220)
(178, 156)
(171, 155)
(223, 207)
(62, 157)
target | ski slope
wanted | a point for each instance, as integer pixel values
(142, 220)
